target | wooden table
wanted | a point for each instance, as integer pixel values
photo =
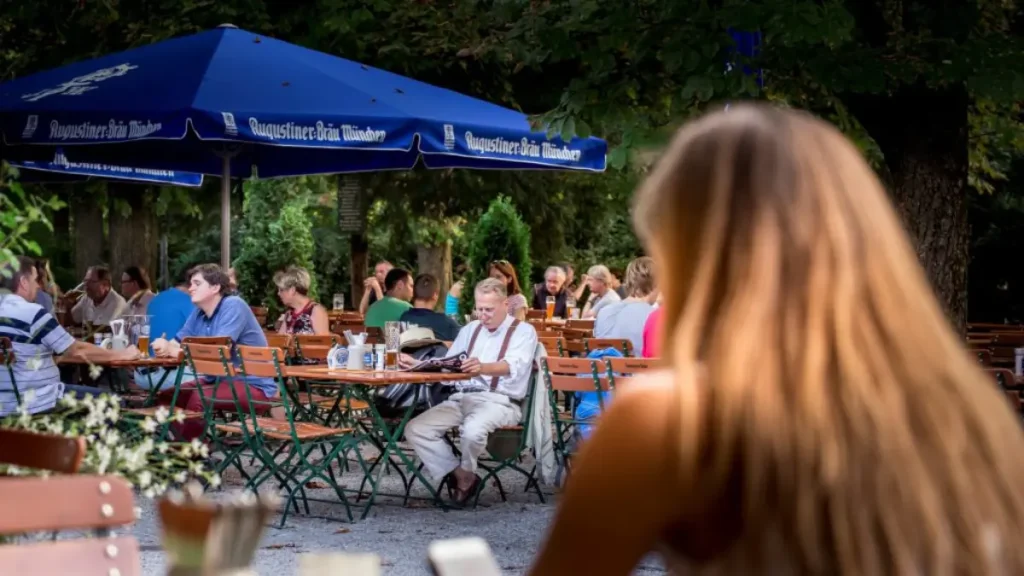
(362, 383)
(148, 362)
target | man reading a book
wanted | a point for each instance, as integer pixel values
(500, 352)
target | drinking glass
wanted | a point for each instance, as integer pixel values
(551, 307)
(339, 301)
(570, 308)
(392, 342)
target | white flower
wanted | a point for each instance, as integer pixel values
(145, 479)
(161, 414)
(69, 400)
(163, 447)
(215, 481)
(111, 437)
(178, 416)
(180, 477)
(105, 455)
(95, 371)
(198, 448)
(148, 493)
(34, 363)
(149, 425)
(195, 467)
(167, 464)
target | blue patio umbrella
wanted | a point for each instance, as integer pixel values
(234, 103)
(62, 170)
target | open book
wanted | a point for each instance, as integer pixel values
(447, 364)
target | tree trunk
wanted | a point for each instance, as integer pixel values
(436, 261)
(87, 220)
(134, 240)
(358, 253)
(922, 133)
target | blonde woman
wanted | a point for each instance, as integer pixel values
(303, 316)
(818, 415)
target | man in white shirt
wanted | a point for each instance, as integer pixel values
(101, 303)
(501, 351)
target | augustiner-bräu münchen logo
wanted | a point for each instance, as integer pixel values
(81, 84)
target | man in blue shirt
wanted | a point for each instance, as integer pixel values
(218, 313)
(168, 312)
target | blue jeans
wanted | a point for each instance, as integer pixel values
(83, 391)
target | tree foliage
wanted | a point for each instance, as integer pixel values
(499, 234)
(276, 232)
(19, 212)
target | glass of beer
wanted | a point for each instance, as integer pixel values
(570, 308)
(550, 307)
(144, 346)
(392, 342)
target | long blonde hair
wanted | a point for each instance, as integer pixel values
(837, 407)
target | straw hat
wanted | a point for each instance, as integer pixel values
(417, 337)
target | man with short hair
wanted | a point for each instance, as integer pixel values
(101, 303)
(137, 289)
(426, 293)
(501, 351)
(553, 285)
(35, 337)
(373, 286)
(398, 287)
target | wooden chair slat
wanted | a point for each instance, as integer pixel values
(65, 503)
(258, 361)
(577, 383)
(208, 340)
(41, 451)
(283, 341)
(315, 339)
(99, 556)
(631, 365)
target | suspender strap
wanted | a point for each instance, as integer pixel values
(504, 348)
(501, 352)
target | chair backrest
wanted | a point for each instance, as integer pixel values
(208, 340)
(575, 374)
(1003, 376)
(41, 451)
(118, 556)
(621, 371)
(536, 314)
(261, 362)
(73, 502)
(339, 331)
(314, 347)
(621, 344)
(580, 324)
(283, 341)
(548, 334)
(209, 360)
(554, 346)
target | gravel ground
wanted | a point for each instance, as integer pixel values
(399, 535)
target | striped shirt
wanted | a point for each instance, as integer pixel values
(36, 337)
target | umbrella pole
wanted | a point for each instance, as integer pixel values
(225, 214)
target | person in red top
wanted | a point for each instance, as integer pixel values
(303, 315)
(652, 334)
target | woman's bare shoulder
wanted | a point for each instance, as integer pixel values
(648, 402)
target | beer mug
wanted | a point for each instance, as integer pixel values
(392, 342)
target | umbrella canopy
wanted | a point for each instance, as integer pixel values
(235, 103)
(61, 170)
(279, 108)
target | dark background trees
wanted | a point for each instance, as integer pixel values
(929, 90)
